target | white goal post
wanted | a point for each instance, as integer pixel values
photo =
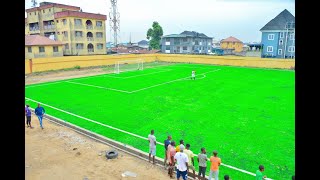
(128, 65)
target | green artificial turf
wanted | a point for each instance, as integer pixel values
(246, 114)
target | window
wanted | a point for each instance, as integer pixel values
(99, 35)
(291, 49)
(78, 33)
(196, 42)
(281, 34)
(292, 36)
(270, 36)
(43, 11)
(35, 13)
(279, 51)
(41, 49)
(280, 42)
(30, 14)
(176, 41)
(184, 48)
(79, 45)
(55, 49)
(167, 47)
(167, 39)
(185, 40)
(64, 21)
(78, 22)
(57, 21)
(49, 10)
(65, 33)
(29, 49)
(66, 46)
(270, 49)
(99, 46)
(99, 23)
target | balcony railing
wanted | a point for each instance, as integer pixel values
(99, 38)
(34, 29)
(78, 26)
(79, 38)
(98, 27)
(89, 27)
(49, 27)
(90, 39)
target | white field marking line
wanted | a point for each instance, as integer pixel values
(126, 132)
(139, 74)
(87, 119)
(170, 81)
(43, 84)
(203, 76)
(98, 87)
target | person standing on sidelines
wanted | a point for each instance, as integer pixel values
(28, 115)
(170, 155)
(182, 161)
(215, 163)
(259, 175)
(152, 145)
(179, 146)
(202, 161)
(190, 155)
(166, 143)
(39, 111)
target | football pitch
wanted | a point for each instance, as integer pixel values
(246, 114)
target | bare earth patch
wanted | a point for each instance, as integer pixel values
(59, 153)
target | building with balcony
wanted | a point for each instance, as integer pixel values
(83, 33)
(278, 36)
(187, 42)
(37, 46)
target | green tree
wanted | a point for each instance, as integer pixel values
(155, 34)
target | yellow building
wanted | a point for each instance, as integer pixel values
(37, 46)
(232, 43)
(83, 33)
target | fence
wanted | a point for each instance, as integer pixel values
(55, 63)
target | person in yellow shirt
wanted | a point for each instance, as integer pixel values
(180, 145)
(214, 168)
(190, 155)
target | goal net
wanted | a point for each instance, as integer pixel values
(128, 65)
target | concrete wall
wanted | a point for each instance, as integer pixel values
(45, 64)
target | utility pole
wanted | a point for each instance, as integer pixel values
(114, 16)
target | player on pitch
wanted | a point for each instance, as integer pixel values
(193, 74)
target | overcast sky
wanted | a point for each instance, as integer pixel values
(216, 18)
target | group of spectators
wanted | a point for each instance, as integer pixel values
(181, 158)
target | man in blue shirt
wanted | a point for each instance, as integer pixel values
(28, 115)
(39, 111)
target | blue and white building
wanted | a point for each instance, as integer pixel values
(278, 36)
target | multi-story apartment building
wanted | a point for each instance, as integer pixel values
(83, 33)
(187, 42)
(278, 36)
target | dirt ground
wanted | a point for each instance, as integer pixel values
(59, 153)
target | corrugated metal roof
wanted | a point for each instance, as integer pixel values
(33, 40)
